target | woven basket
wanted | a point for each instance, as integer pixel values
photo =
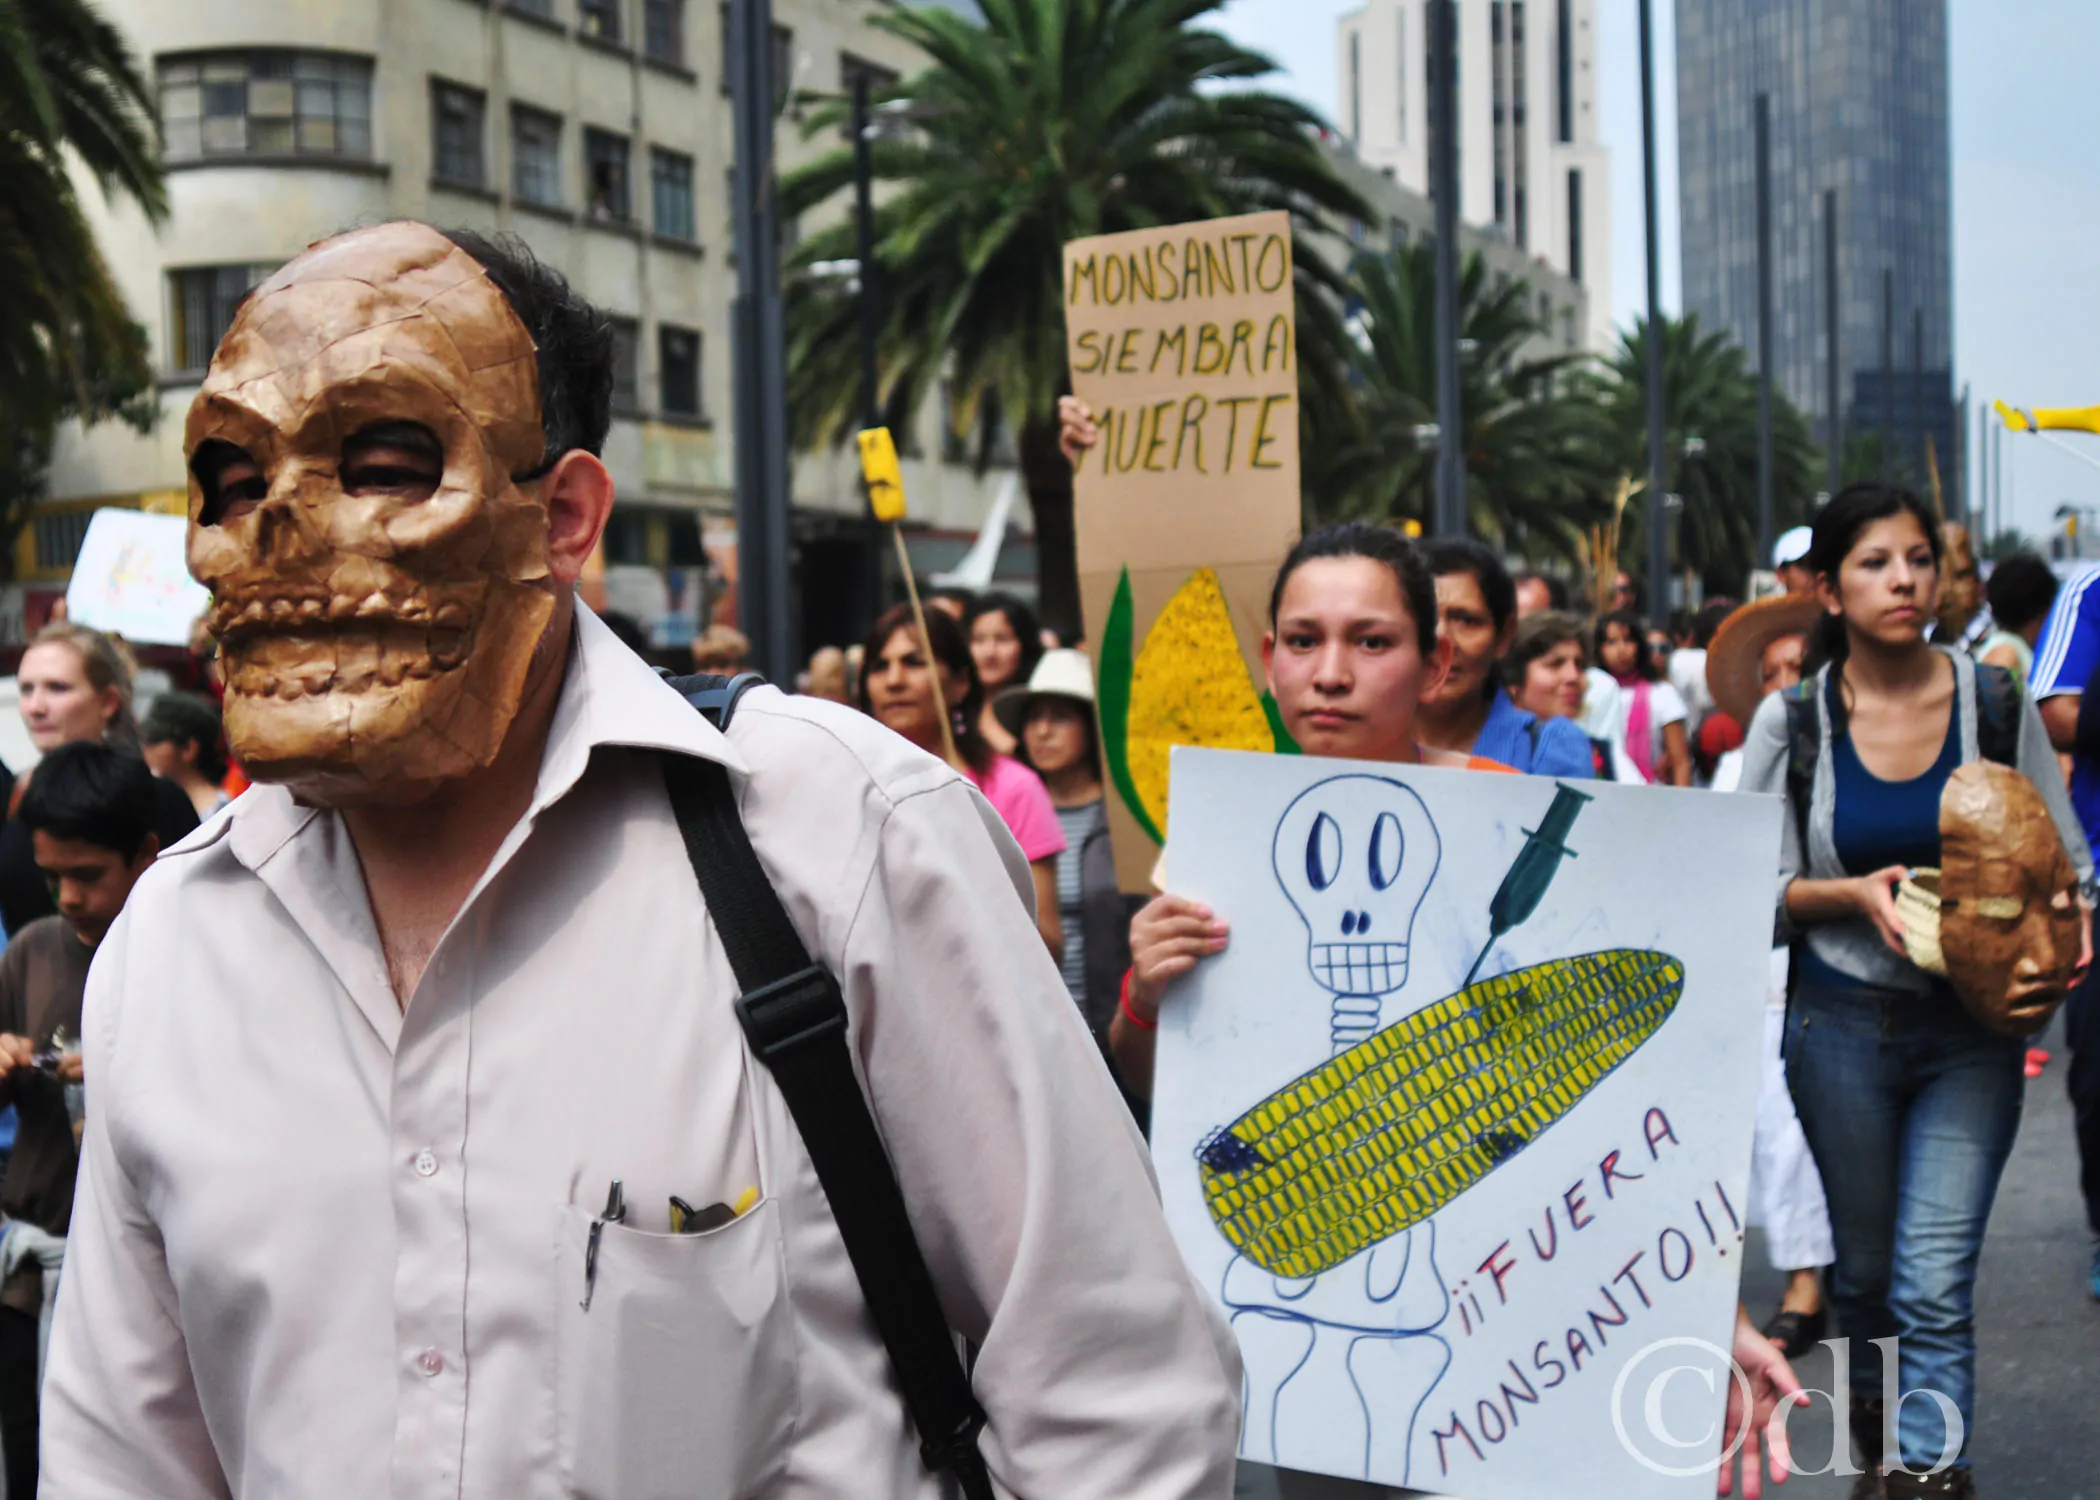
(1918, 909)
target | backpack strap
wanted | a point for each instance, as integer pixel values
(795, 1020)
(713, 694)
(1997, 714)
(1804, 744)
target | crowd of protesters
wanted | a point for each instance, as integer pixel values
(1886, 1112)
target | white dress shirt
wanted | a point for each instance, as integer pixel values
(326, 1245)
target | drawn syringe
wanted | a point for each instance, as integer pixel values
(1536, 864)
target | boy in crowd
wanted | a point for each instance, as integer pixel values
(89, 810)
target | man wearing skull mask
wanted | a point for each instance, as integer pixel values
(330, 1238)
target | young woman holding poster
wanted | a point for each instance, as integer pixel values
(1909, 1104)
(1350, 652)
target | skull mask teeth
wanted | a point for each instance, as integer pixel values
(373, 643)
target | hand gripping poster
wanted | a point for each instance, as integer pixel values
(1456, 1128)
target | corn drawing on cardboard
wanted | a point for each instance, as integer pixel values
(1383, 1135)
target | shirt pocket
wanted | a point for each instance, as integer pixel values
(679, 1381)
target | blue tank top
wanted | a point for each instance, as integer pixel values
(1880, 823)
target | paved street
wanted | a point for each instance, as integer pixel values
(2038, 1361)
(2039, 1356)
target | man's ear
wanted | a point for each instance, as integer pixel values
(1268, 661)
(579, 495)
(148, 852)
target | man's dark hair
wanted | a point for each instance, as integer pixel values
(1707, 622)
(186, 719)
(962, 598)
(1461, 554)
(94, 793)
(2020, 590)
(574, 340)
(1556, 588)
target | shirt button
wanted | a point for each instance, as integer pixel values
(430, 1362)
(426, 1163)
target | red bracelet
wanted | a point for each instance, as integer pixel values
(1130, 1015)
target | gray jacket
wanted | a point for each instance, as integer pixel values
(1853, 946)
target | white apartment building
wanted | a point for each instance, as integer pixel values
(1531, 171)
(600, 132)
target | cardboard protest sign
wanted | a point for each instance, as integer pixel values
(1183, 340)
(1457, 1128)
(133, 578)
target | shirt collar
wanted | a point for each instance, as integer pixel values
(609, 697)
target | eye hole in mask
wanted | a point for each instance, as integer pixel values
(232, 481)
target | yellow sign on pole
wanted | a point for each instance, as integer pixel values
(884, 475)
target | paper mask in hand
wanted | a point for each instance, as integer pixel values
(376, 626)
(2002, 916)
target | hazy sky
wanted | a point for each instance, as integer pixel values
(2026, 198)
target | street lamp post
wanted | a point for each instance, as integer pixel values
(1450, 515)
(870, 314)
(1658, 462)
(760, 355)
(1764, 329)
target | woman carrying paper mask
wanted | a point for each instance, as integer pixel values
(1910, 1105)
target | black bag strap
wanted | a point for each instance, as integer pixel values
(1997, 714)
(1804, 744)
(795, 1019)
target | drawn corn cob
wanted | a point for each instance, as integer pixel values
(1383, 1135)
(1188, 685)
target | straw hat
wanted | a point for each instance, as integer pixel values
(1062, 673)
(1735, 660)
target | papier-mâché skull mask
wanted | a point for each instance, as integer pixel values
(375, 640)
(2001, 914)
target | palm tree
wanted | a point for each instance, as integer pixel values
(1710, 436)
(1536, 475)
(70, 94)
(1050, 121)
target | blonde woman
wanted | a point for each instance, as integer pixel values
(74, 685)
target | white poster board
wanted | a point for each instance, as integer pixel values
(1457, 1228)
(132, 578)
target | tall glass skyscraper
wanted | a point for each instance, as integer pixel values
(1858, 104)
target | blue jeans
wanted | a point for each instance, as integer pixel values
(1910, 1108)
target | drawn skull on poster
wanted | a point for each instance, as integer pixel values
(1355, 855)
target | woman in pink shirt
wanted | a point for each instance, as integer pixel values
(896, 688)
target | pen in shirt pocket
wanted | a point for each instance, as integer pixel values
(686, 1219)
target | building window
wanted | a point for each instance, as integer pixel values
(605, 170)
(201, 304)
(599, 20)
(1574, 226)
(627, 365)
(1564, 66)
(783, 60)
(1356, 87)
(663, 31)
(535, 155)
(59, 536)
(544, 9)
(671, 193)
(266, 104)
(852, 69)
(678, 368)
(456, 117)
